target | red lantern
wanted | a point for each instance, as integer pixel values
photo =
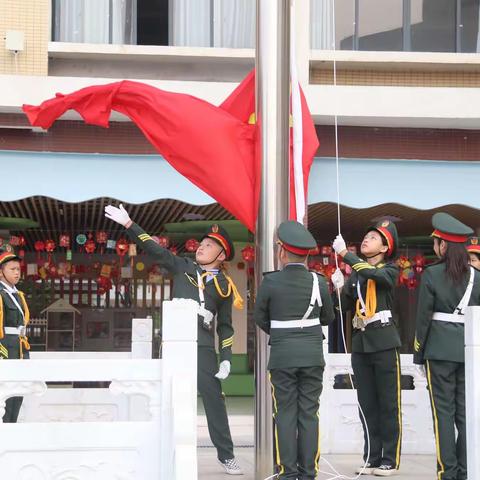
(163, 241)
(191, 245)
(21, 241)
(64, 241)
(122, 249)
(101, 237)
(90, 246)
(104, 284)
(248, 253)
(326, 250)
(419, 263)
(39, 247)
(14, 241)
(49, 245)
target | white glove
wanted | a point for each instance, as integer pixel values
(339, 244)
(118, 215)
(338, 279)
(223, 370)
(421, 370)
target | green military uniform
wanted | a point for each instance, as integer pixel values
(217, 301)
(14, 316)
(291, 306)
(369, 293)
(440, 345)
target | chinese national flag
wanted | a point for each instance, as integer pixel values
(206, 144)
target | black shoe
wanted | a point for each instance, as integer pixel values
(385, 471)
(366, 469)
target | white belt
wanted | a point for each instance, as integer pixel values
(448, 317)
(20, 330)
(311, 322)
(384, 316)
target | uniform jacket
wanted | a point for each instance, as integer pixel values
(184, 271)
(437, 340)
(285, 295)
(375, 337)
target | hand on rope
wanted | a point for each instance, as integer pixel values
(338, 279)
(119, 215)
(339, 245)
(223, 370)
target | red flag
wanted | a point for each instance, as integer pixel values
(241, 104)
(206, 144)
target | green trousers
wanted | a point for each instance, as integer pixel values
(296, 395)
(13, 404)
(446, 385)
(213, 398)
(377, 380)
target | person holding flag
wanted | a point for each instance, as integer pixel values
(375, 342)
(204, 280)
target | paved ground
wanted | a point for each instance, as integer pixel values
(414, 467)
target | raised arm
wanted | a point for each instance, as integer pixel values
(161, 255)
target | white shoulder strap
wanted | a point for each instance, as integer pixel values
(315, 298)
(460, 310)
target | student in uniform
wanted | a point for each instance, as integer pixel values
(369, 294)
(473, 249)
(14, 317)
(291, 306)
(447, 287)
(205, 281)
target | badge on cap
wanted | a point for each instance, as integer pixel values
(215, 228)
(385, 224)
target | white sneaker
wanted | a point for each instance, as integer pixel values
(231, 466)
(368, 470)
(385, 471)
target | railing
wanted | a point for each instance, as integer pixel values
(149, 434)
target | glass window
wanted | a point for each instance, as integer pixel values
(380, 25)
(321, 29)
(433, 25)
(469, 40)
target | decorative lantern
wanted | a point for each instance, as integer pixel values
(248, 253)
(191, 245)
(163, 241)
(122, 249)
(64, 241)
(90, 246)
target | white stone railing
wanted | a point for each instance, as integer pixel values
(152, 436)
(340, 425)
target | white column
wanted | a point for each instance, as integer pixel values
(472, 389)
(179, 388)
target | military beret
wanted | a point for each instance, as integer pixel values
(220, 235)
(295, 238)
(473, 245)
(6, 257)
(388, 230)
(450, 229)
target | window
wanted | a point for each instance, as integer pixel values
(409, 25)
(196, 23)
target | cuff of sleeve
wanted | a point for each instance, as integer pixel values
(226, 354)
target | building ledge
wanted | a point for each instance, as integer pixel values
(351, 60)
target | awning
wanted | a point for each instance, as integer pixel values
(138, 179)
(421, 184)
(73, 177)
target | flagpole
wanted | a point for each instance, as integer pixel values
(272, 109)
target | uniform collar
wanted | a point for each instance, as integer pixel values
(8, 288)
(295, 264)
